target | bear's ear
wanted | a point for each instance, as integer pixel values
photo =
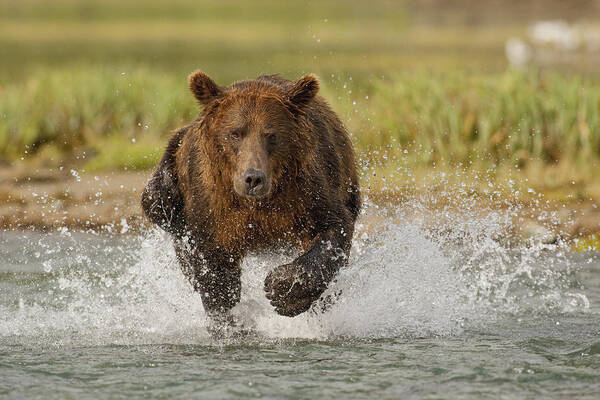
(204, 88)
(303, 90)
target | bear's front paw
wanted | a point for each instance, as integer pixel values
(292, 289)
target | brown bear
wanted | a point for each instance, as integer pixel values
(266, 164)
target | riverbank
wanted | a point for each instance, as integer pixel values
(64, 198)
(52, 199)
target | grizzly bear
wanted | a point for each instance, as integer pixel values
(267, 164)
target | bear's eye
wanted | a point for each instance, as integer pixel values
(272, 139)
(235, 135)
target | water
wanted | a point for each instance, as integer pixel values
(443, 309)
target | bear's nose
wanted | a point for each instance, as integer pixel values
(254, 181)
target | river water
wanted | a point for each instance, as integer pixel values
(452, 311)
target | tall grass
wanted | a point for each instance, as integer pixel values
(92, 110)
(513, 116)
(117, 117)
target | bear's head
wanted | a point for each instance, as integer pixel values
(257, 130)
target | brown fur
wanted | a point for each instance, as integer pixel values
(311, 195)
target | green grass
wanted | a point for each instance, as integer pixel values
(89, 110)
(514, 116)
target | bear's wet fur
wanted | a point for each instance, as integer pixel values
(266, 164)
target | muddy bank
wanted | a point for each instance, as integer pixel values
(51, 199)
(55, 198)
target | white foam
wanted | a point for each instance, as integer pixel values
(404, 278)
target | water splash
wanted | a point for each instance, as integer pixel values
(409, 275)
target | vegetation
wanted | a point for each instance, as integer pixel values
(121, 118)
(100, 83)
(514, 116)
(107, 117)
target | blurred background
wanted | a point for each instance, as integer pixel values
(505, 90)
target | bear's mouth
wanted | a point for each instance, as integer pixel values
(257, 193)
(255, 200)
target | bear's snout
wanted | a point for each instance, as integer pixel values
(255, 183)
